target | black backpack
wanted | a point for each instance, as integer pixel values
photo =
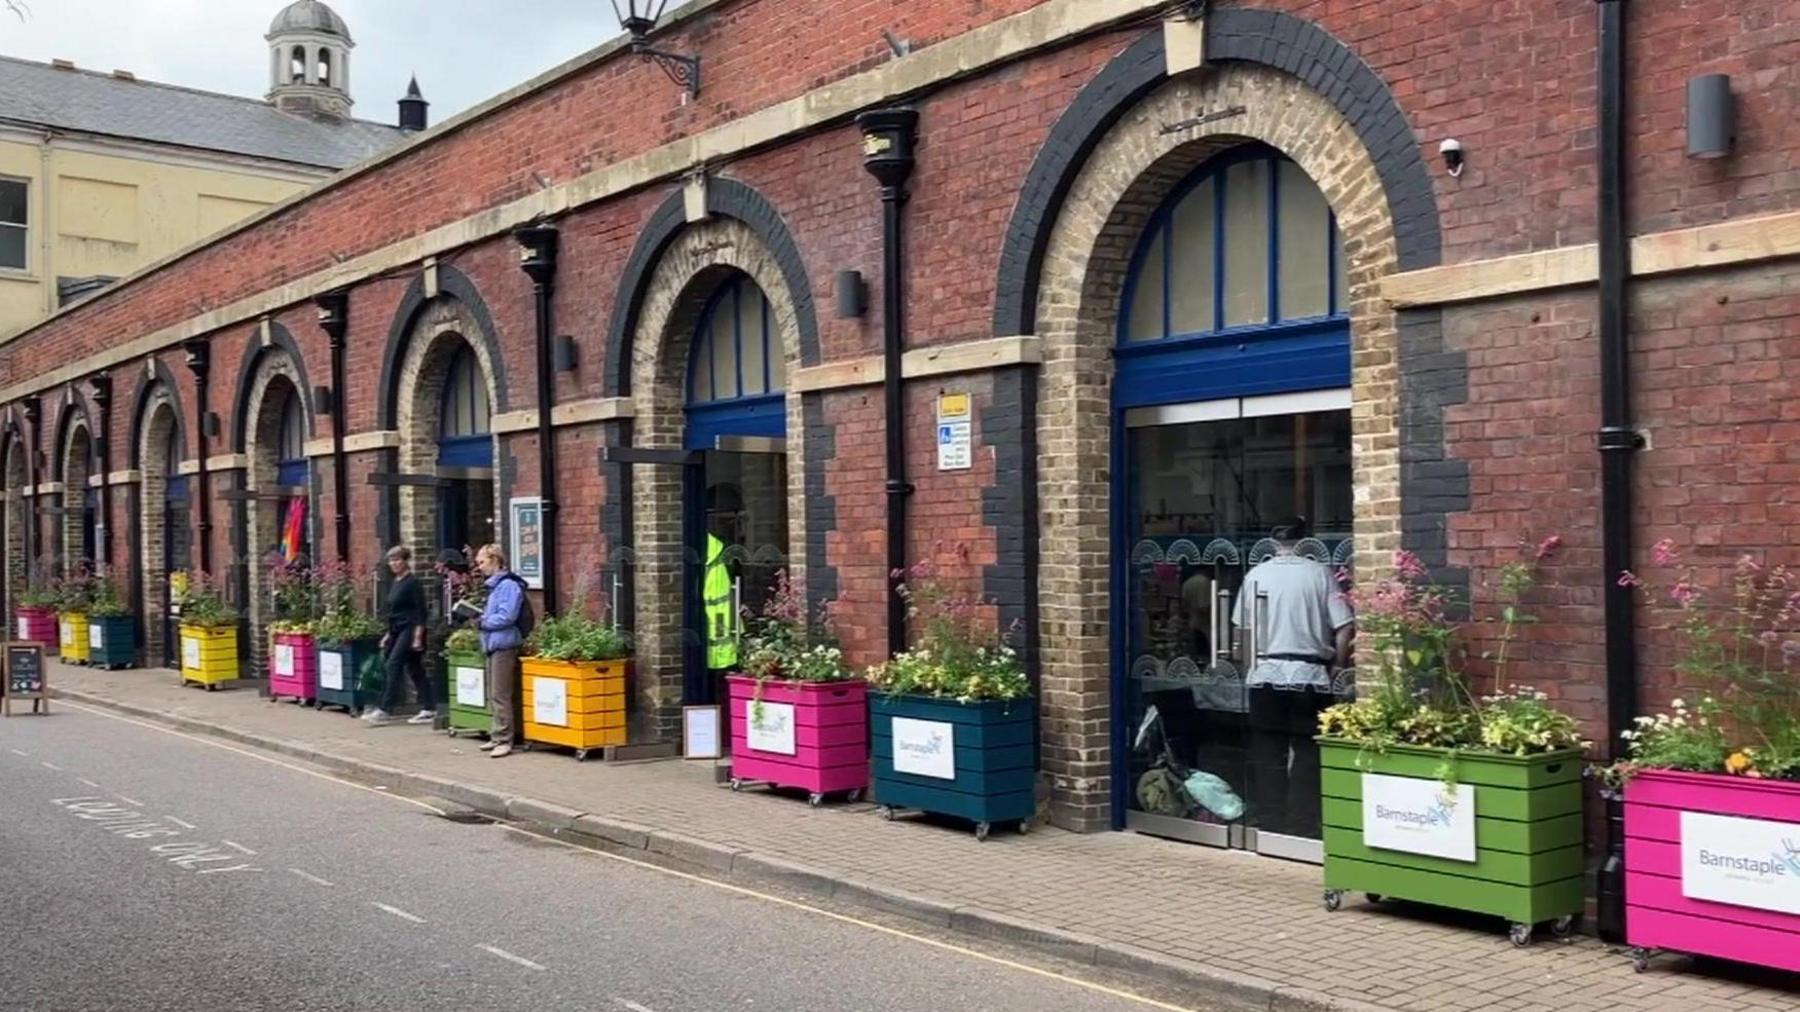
(527, 615)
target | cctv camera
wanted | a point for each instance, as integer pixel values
(1452, 150)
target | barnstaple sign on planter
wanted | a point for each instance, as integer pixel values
(925, 748)
(1743, 862)
(772, 728)
(1419, 816)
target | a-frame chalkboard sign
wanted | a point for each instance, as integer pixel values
(26, 678)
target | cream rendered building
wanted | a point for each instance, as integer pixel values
(102, 174)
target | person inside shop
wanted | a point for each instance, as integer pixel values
(504, 624)
(1304, 631)
(403, 645)
(717, 580)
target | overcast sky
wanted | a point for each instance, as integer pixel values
(464, 51)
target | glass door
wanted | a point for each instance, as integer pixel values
(1220, 742)
(742, 542)
(178, 557)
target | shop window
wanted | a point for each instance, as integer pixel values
(736, 355)
(290, 455)
(465, 427)
(1249, 241)
(14, 223)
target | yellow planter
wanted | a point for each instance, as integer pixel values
(209, 657)
(575, 705)
(72, 636)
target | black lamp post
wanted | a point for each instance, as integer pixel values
(639, 18)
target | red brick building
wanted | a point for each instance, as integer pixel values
(1195, 265)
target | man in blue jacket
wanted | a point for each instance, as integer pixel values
(500, 641)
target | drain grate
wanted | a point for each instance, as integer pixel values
(466, 818)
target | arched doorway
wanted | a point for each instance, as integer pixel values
(166, 534)
(280, 519)
(1231, 404)
(80, 504)
(17, 565)
(735, 499)
(466, 506)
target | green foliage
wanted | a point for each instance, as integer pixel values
(75, 592)
(203, 606)
(463, 641)
(958, 655)
(783, 645)
(341, 617)
(572, 636)
(108, 602)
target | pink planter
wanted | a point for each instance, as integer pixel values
(294, 667)
(37, 625)
(812, 735)
(1712, 867)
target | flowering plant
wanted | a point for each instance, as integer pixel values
(1420, 695)
(41, 590)
(463, 640)
(108, 601)
(294, 593)
(957, 656)
(203, 605)
(1744, 655)
(341, 620)
(782, 644)
(75, 592)
(573, 636)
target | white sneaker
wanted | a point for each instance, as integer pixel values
(422, 717)
(500, 752)
(372, 712)
(486, 746)
(378, 718)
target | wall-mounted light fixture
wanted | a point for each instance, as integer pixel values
(322, 400)
(1711, 117)
(852, 295)
(564, 353)
(1454, 159)
(639, 18)
(212, 425)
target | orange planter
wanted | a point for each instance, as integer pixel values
(578, 705)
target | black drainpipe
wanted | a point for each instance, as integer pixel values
(888, 136)
(103, 400)
(34, 416)
(334, 317)
(1619, 442)
(199, 362)
(537, 257)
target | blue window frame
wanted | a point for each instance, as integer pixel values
(736, 371)
(465, 436)
(290, 454)
(1238, 287)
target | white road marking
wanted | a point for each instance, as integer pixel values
(178, 822)
(88, 782)
(403, 915)
(129, 801)
(15, 751)
(51, 766)
(314, 879)
(238, 847)
(245, 752)
(509, 957)
(633, 1006)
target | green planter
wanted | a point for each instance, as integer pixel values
(1515, 853)
(112, 642)
(351, 675)
(465, 716)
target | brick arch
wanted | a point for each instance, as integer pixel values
(75, 464)
(725, 198)
(159, 416)
(453, 286)
(691, 268)
(250, 372)
(442, 327)
(277, 373)
(1128, 173)
(73, 412)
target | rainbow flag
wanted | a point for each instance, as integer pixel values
(293, 532)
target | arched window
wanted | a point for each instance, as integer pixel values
(297, 66)
(736, 354)
(325, 67)
(290, 454)
(464, 432)
(1249, 241)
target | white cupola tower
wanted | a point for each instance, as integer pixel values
(309, 60)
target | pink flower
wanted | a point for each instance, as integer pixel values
(1684, 593)
(1747, 565)
(1629, 579)
(1548, 545)
(1663, 552)
(1409, 566)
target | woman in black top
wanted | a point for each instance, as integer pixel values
(404, 643)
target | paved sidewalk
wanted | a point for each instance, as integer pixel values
(1218, 919)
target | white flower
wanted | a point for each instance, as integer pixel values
(1679, 705)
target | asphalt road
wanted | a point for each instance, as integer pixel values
(145, 870)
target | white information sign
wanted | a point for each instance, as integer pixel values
(1419, 816)
(550, 701)
(96, 637)
(25, 629)
(1743, 862)
(190, 653)
(284, 660)
(331, 670)
(68, 634)
(955, 434)
(471, 687)
(700, 732)
(772, 728)
(925, 748)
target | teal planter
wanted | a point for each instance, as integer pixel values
(351, 675)
(112, 642)
(975, 761)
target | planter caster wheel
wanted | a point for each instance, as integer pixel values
(1334, 898)
(1024, 827)
(1640, 959)
(854, 796)
(581, 755)
(1520, 935)
(737, 784)
(1372, 897)
(212, 688)
(1563, 926)
(450, 731)
(815, 799)
(886, 812)
(981, 832)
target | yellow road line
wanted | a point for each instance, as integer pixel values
(685, 876)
